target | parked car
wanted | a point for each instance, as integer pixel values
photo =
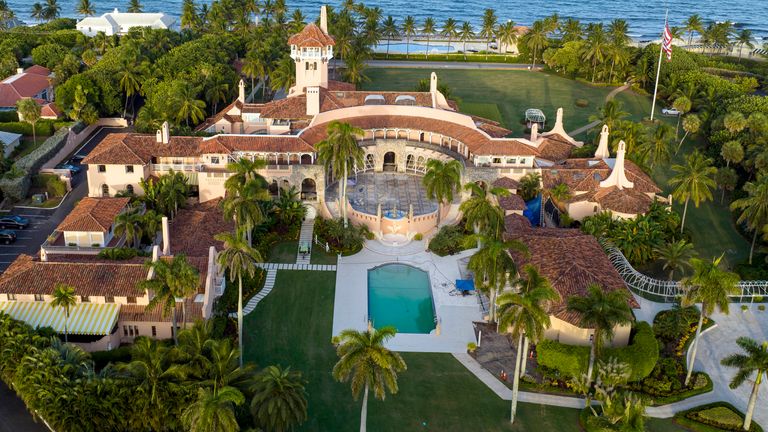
(7, 236)
(670, 112)
(74, 169)
(13, 221)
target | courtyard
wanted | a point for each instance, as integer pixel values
(393, 191)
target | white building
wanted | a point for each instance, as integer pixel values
(119, 23)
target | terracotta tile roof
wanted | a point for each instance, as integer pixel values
(138, 149)
(193, 228)
(28, 275)
(506, 183)
(571, 261)
(256, 143)
(38, 70)
(334, 85)
(630, 201)
(50, 110)
(93, 214)
(555, 147)
(583, 175)
(493, 130)
(516, 224)
(22, 85)
(219, 115)
(295, 107)
(251, 108)
(512, 202)
(504, 147)
(311, 36)
(139, 313)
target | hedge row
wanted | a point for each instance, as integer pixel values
(570, 360)
(42, 128)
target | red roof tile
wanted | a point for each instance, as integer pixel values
(629, 201)
(311, 36)
(193, 228)
(506, 183)
(20, 86)
(50, 110)
(512, 202)
(93, 214)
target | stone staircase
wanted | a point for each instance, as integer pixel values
(269, 283)
(305, 236)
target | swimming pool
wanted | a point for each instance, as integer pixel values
(399, 295)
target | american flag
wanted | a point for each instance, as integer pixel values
(666, 44)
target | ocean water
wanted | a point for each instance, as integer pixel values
(645, 17)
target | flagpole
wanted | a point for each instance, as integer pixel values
(658, 69)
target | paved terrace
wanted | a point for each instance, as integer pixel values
(391, 190)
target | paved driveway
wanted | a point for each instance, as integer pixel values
(720, 342)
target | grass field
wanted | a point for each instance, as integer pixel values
(292, 327)
(284, 252)
(511, 91)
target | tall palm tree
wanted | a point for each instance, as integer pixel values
(481, 212)
(188, 105)
(428, 30)
(710, 286)
(242, 171)
(441, 181)
(691, 125)
(488, 28)
(676, 256)
(744, 38)
(367, 365)
(732, 151)
(130, 77)
(213, 410)
(755, 361)
(693, 181)
(239, 259)
(657, 149)
(524, 315)
(507, 35)
(409, 29)
(29, 112)
(610, 114)
(64, 297)
(279, 400)
(189, 17)
(572, 30)
(601, 310)
(734, 122)
(171, 280)
(726, 179)
(694, 23)
(37, 12)
(450, 31)
(466, 33)
(492, 266)
(134, 6)
(130, 224)
(242, 206)
(537, 39)
(298, 21)
(337, 152)
(390, 30)
(754, 208)
(51, 10)
(86, 8)
(596, 47)
(354, 71)
(217, 91)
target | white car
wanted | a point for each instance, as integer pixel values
(670, 112)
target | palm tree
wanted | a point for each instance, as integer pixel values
(683, 105)
(134, 6)
(367, 365)
(284, 75)
(734, 122)
(130, 224)
(537, 40)
(37, 12)
(64, 297)
(85, 8)
(732, 151)
(480, 212)
(279, 400)
(693, 181)
(29, 112)
(603, 311)
(488, 28)
(466, 33)
(726, 179)
(710, 286)
(493, 266)
(691, 125)
(51, 10)
(242, 206)
(354, 71)
(187, 104)
(755, 361)
(524, 315)
(572, 30)
(507, 35)
(754, 208)
(449, 31)
(171, 280)
(693, 24)
(242, 171)
(744, 38)
(657, 149)
(337, 152)
(610, 114)
(130, 76)
(389, 30)
(409, 29)
(428, 30)
(213, 410)
(676, 256)
(298, 21)
(216, 92)
(239, 259)
(595, 47)
(189, 17)
(441, 181)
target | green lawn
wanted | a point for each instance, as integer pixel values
(319, 256)
(284, 252)
(512, 92)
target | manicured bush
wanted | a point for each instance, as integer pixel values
(341, 240)
(582, 103)
(672, 324)
(715, 416)
(569, 360)
(449, 240)
(42, 128)
(418, 236)
(51, 183)
(227, 303)
(8, 116)
(103, 358)
(118, 254)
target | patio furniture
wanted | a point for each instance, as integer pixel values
(304, 248)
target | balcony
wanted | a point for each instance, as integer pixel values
(54, 244)
(162, 167)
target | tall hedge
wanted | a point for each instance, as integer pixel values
(570, 360)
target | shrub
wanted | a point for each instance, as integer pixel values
(761, 308)
(251, 285)
(471, 347)
(118, 254)
(720, 415)
(568, 360)
(51, 183)
(341, 240)
(103, 358)
(42, 128)
(449, 240)
(674, 323)
(744, 308)
(9, 116)
(582, 103)
(418, 237)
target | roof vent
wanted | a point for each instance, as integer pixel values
(374, 99)
(405, 100)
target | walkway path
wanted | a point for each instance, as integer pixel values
(305, 237)
(284, 266)
(608, 97)
(269, 283)
(440, 65)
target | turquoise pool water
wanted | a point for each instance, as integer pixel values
(399, 295)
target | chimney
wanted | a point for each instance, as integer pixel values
(166, 133)
(241, 91)
(159, 136)
(19, 70)
(534, 132)
(323, 19)
(602, 151)
(115, 11)
(155, 257)
(559, 119)
(313, 101)
(618, 177)
(433, 83)
(166, 237)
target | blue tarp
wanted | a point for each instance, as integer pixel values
(465, 285)
(533, 211)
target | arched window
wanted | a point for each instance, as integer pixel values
(410, 162)
(129, 189)
(104, 190)
(370, 162)
(308, 190)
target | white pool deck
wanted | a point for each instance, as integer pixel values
(455, 313)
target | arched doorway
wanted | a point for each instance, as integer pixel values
(390, 161)
(308, 190)
(306, 159)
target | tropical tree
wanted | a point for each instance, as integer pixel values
(441, 181)
(732, 152)
(610, 114)
(450, 31)
(602, 311)
(188, 105)
(213, 410)
(338, 152)
(754, 208)
(481, 212)
(694, 23)
(51, 10)
(466, 33)
(493, 266)
(64, 297)
(572, 30)
(693, 181)
(537, 40)
(595, 47)
(744, 38)
(171, 280)
(710, 286)
(734, 122)
(239, 259)
(530, 186)
(682, 104)
(726, 179)
(134, 6)
(676, 256)
(428, 30)
(86, 8)
(524, 315)
(37, 12)
(242, 171)
(408, 29)
(279, 400)
(354, 67)
(217, 91)
(29, 112)
(755, 361)
(691, 125)
(367, 365)
(488, 28)
(506, 35)
(130, 77)
(130, 224)
(189, 17)
(390, 30)
(242, 205)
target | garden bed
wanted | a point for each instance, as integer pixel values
(714, 417)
